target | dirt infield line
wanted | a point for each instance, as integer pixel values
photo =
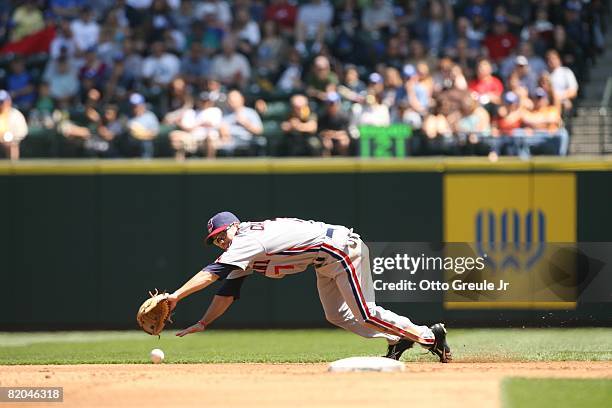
(285, 385)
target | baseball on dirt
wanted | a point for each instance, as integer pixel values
(157, 356)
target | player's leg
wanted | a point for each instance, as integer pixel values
(338, 313)
(354, 280)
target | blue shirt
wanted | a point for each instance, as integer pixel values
(16, 82)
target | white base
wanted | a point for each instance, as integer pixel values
(366, 364)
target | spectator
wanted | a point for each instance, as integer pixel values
(13, 127)
(413, 98)
(537, 65)
(143, 128)
(271, 51)
(283, 13)
(109, 129)
(85, 30)
(26, 19)
(544, 117)
(313, 20)
(160, 67)
(333, 127)
(501, 42)
(475, 119)
(218, 9)
(487, 88)
(301, 129)
(372, 112)
(321, 79)
(569, 51)
(291, 77)
(245, 31)
(63, 44)
(436, 124)
(509, 115)
(42, 114)
(94, 70)
(20, 85)
(436, 30)
(240, 125)
(564, 84)
(194, 65)
(352, 88)
(63, 80)
(230, 67)
(523, 72)
(198, 130)
(179, 96)
(378, 19)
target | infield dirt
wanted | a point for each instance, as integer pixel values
(285, 385)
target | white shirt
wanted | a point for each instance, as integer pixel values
(15, 123)
(312, 15)
(85, 34)
(220, 8)
(225, 68)
(563, 79)
(279, 247)
(163, 69)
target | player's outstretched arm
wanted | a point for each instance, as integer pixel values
(217, 307)
(198, 282)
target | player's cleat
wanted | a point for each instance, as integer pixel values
(440, 347)
(395, 350)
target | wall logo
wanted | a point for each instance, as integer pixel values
(511, 239)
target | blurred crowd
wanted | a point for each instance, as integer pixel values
(110, 76)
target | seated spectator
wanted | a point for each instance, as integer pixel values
(240, 125)
(195, 65)
(218, 9)
(301, 129)
(378, 19)
(26, 20)
(94, 69)
(321, 79)
(271, 51)
(20, 85)
(230, 67)
(161, 67)
(77, 132)
(85, 30)
(372, 112)
(544, 117)
(564, 84)
(333, 126)
(198, 130)
(436, 30)
(63, 44)
(63, 80)
(352, 88)
(283, 13)
(42, 114)
(524, 74)
(413, 98)
(500, 43)
(435, 124)
(475, 119)
(142, 128)
(313, 20)
(572, 56)
(393, 84)
(109, 129)
(488, 89)
(13, 127)
(245, 31)
(509, 115)
(540, 32)
(291, 77)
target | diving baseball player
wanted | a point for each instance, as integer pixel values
(284, 246)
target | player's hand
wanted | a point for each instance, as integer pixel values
(198, 327)
(172, 301)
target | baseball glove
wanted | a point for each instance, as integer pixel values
(154, 313)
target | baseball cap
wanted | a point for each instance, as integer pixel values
(521, 60)
(511, 98)
(136, 99)
(218, 223)
(4, 95)
(540, 93)
(375, 78)
(409, 71)
(332, 97)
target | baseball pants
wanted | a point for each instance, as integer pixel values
(344, 282)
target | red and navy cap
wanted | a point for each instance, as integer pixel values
(218, 223)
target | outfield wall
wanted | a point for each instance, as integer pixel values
(82, 241)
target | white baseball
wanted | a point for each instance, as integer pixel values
(157, 356)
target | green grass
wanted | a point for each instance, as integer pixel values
(558, 393)
(296, 346)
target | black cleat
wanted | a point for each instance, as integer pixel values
(395, 350)
(440, 347)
